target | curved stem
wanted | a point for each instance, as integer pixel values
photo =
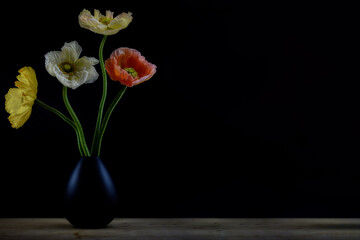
(107, 117)
(103, 98)
(63, 117)
(77, 123)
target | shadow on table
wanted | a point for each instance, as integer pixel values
(68, 226)
(59, 226)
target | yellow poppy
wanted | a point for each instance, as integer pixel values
(19, 101)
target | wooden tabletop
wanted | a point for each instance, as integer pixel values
(185, 228)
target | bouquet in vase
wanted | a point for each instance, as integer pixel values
(90, 196)
(125, 65)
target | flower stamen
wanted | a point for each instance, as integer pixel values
(66, 67)
(131, 72)
(105, 20)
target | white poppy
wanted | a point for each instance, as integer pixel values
(68, 68)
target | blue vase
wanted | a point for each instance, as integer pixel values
(90, 197)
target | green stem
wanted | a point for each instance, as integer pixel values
(107, 117)
(103, 98)
(63, 117)
(77, 123)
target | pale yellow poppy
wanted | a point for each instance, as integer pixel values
(104, 24)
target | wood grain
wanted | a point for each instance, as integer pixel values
(176, 229)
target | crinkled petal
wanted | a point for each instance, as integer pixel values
(62, 77)
(27, 76)
(97, 14)
(123, 58)
(13, 100)
(19, 101)
(109, 14)
(95, 24)
(109, 32)
(72, 81)
(18, 120)
(116, 73)
(79, 78)
(27, 82)
(71, 51)
(93, 60)
(86, 62)
(92, 76)
(86, 20)
(146, 77)
(82, 72)
(52, 59)
(14, 105)
(121, 21)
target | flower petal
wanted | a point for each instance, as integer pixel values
(113, 69)
(81, 70)
(146, 77)
(86, 20)
(121, 21)
(109, 14)
(18, 119)
(72, 81)
(92, 75)
(71, 51)
(79, 78)
(52, 59)
(19, 101)
(86, 62)
(122, 58)
(109, 27)
(27, 80)
(13, 100)
(97, 14)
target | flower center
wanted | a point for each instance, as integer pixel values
(66, 67)
(105, 20)
(131, 72)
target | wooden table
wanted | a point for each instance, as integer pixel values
(188, 228)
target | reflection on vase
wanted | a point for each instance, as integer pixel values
(90, 196)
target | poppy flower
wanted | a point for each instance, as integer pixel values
(105, 25)
(129, 67)
(19, 101)
(68, 68)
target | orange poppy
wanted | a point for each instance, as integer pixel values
(129, 67)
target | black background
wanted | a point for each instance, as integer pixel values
(253, 111)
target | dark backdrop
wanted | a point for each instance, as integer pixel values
(253, 111)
